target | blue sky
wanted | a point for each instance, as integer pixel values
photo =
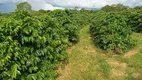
(10, 5)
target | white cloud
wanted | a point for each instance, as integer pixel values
(41, 4)
(60, 4)
(92, 3)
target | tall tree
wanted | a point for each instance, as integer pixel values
(24, 6)
(76, 8)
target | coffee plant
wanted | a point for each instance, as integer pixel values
(111, 32)
(63, 19)
(31, 47)
(135, 20)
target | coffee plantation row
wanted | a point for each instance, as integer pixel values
(32, 46)
(111, 30)
(34, 43)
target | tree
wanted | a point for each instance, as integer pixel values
(24, 6)
(107, 8)
(114, 7)
(138, 7)
(76, 8)
(121, 7)
(83, 9)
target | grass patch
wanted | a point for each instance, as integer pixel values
(130, 76)
(121, 59)
(104, 67)
(136, 61)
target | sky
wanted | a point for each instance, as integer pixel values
(10, 5)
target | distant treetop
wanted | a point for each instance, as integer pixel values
(24, 6)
